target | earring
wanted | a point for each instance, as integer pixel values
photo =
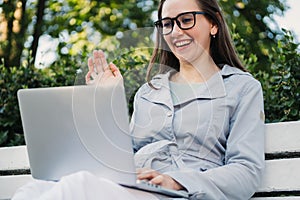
(214, 36)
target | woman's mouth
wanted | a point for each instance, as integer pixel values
(182, 43)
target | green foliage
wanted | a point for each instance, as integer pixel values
(252, 20)
(14, 78)
(248, 58)
(282, 85)
(133, 64)
(65, 72)
(118, 27)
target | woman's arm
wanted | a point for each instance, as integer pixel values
(244, 157)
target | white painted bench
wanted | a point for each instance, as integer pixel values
(281, 179)
(282, 174)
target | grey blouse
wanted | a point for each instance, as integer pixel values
(209, 138)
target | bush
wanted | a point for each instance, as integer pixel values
(15, 78)
(280, 80)
(282, 85)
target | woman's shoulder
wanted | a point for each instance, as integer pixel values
(237, 75)
(157, 82)
(144, 88)
(239, 81)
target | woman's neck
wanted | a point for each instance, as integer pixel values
(195, 73)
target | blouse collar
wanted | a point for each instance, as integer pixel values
(211, 89)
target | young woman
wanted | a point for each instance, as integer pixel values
(203, 113)
(198, 124)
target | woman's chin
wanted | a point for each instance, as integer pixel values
(186, 57)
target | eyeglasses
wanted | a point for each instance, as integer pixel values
(184, 21)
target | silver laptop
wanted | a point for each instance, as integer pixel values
(74, 128)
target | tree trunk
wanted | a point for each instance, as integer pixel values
(6, 45)
(12, 42)
(38, 28)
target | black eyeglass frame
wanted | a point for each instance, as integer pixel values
(159, 26)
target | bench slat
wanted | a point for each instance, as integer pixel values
(281, 175)
(283, 137)
(14, 158)
(275, 198)
(10, 184)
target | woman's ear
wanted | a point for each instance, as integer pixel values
(214, 29)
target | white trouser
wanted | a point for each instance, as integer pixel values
(79, 186)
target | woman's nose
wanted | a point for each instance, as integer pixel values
(176, 29)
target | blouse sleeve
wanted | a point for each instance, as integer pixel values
(244, 156)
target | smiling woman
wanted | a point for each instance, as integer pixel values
(198, 124)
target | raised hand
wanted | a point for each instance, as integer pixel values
(100, 71)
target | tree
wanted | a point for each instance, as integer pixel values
(84, 20)
(38, 27)
(252, 19)
(13, 23)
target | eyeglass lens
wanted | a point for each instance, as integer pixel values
(184, 21)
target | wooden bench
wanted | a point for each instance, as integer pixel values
(282, 174)
(14, 170)
(281, 179)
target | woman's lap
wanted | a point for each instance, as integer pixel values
(80, 185)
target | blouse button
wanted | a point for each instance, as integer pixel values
(169, 114)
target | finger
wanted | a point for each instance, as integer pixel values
(158, 180)
(97, 61)
(115, 70)
(148, 174)
(91, 64)
(103, 60)
(145, 176)
(88, 80)
(93, 75)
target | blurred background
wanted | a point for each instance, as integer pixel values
(46, 43)
(290, 17)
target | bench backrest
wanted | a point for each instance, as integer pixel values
(14, 170)
(282, 173)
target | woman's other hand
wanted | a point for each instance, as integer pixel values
(100, 71)
(157, 178)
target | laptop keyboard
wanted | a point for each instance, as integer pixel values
(147, 183)
(159, 189)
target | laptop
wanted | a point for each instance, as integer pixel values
(74, 128)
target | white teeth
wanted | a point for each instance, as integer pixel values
(182, 43)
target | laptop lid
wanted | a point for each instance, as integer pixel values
(68, 129)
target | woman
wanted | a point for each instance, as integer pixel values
(203, 106)
(198, 124)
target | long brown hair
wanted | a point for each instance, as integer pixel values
(222, 49)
